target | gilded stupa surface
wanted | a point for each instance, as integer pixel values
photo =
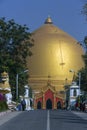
(54, 53)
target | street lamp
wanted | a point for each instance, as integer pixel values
(17, 76)
(71, 70)
(79, 81)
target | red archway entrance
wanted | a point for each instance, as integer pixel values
(49, 104)
(39, 105)
(48, 99)
(58, 105)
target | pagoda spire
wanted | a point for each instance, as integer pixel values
(48, 20)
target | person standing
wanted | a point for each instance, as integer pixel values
(23, 104)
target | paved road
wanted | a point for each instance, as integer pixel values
(45, 120)
(67, 120)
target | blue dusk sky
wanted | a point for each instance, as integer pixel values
(65, 14)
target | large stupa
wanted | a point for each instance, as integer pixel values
(54, 53)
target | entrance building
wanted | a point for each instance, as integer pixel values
(48, 98)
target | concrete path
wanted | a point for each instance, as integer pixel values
(7, 115)
(83, 115)
(5, 112)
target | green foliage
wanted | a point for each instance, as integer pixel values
(3, 106)
(84, 10)
(83, 71)
(81, 98)
(15, 46)
(83, 82)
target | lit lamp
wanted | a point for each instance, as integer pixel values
(17, 76)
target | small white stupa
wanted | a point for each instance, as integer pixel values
(74, 92)
(27, 98)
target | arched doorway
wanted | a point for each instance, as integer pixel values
(58, 105)
(39, 105)
(48, 104)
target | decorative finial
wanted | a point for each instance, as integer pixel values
(48, 20)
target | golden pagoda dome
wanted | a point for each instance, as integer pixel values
(54, 53)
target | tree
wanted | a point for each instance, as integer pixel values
(83, 71)
(15, 46)
(84, 9)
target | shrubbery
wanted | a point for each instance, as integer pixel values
(3, 104)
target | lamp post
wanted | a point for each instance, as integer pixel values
(79, 81)
(17, 76)
(71, 70)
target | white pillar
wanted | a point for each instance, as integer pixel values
(8, 98)
(27, 99)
